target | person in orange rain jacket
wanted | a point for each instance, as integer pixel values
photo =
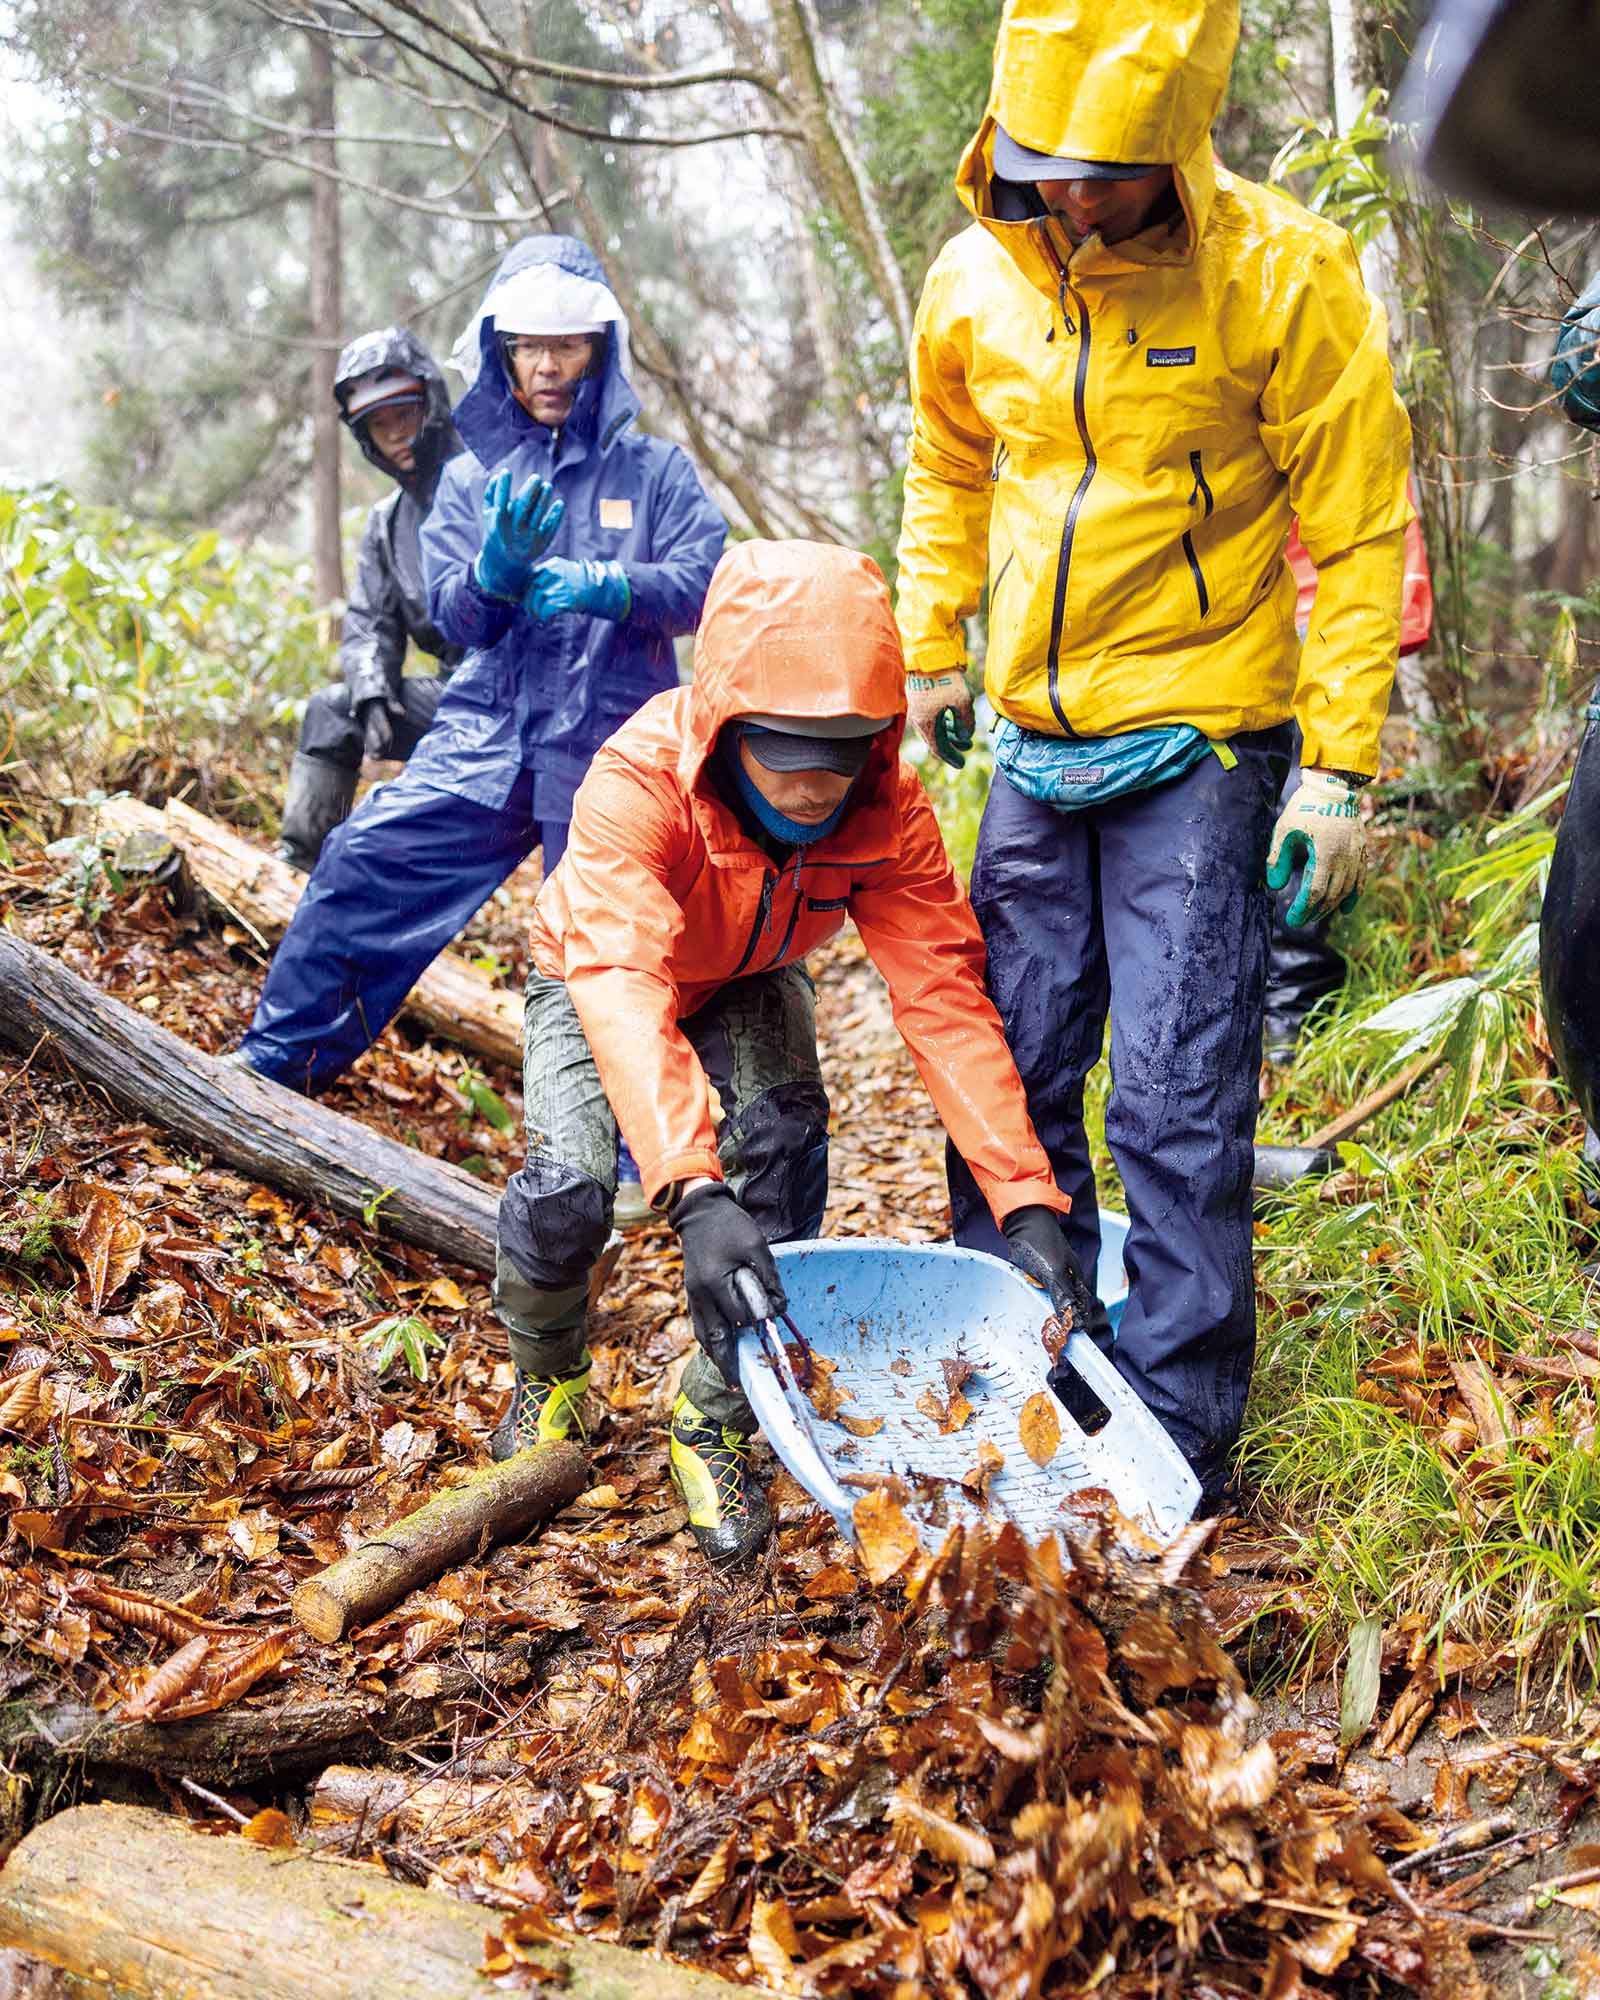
(723, 833)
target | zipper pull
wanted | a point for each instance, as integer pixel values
(1061, 300)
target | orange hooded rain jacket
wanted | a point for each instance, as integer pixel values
(662, 898)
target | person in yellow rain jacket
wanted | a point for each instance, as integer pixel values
(1127, 375)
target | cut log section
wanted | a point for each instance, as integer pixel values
(142, 1906)
(494, 1505)
(58, 1741)
(452, 999)
(264, 1130)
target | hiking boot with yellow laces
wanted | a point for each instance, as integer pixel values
(544, 1409)
(728, 1511)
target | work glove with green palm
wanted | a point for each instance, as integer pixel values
(940, 706)
(1320, 832)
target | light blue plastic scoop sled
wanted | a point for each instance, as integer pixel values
(887, 1315)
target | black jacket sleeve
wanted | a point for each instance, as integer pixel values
(372, 651)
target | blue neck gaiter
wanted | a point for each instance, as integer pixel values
(790, 831)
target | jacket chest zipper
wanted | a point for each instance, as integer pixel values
(1202, 494)
(763, 912)
(794, 918)
(1058, 608)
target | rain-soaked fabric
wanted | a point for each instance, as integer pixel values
(757, 1041)
(1155, 908)
(663, 898)
(542, 697)
(1569, 930)
(1116, 436)
(394, 885)
(332, 731)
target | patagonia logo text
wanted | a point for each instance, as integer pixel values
(827, 902)
(1169, 357)
(1091, 774)
(619, 513)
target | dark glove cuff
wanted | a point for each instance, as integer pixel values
(687, 1206)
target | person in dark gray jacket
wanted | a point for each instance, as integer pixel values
(393, 399)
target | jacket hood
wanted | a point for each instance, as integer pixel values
(489, 416)
(1133, 80)
(802, 629)
(398, 347)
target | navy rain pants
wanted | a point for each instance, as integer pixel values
(393, 886)
(1154, 906)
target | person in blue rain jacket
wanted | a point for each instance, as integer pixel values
(566, 549)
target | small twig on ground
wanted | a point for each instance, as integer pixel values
(1540, 1895)
(1468, 1839)
(214, 1800)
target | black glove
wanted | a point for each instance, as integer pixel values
(1039, 1247)
(377, 726)
(720, 1240)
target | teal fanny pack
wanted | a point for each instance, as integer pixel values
(1069, 772)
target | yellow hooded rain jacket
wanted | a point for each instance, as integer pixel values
(1119, 435)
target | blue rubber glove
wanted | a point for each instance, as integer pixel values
(516, 532)
(598, 588)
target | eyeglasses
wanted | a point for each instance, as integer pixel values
(559, 346)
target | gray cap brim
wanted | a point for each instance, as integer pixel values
(1014, 162)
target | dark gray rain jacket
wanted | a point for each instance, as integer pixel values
(388, 605)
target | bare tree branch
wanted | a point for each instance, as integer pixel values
(599, 79)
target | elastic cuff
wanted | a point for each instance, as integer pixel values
(1007, 1201)
(660, 1179)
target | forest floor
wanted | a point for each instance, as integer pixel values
(991, 1772)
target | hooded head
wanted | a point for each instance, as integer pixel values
(371, 370)
(1137, 81)
(798, 638)
(545, 284)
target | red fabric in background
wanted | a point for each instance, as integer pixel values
(1416, 603)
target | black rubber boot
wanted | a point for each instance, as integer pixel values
(319, 797)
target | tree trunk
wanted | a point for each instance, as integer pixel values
(452, 999)
(495, 1504)
(327, 329)
(841, 180)
(145, 1906)
(266, 1131)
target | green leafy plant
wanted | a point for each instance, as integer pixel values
(114, 634)
(403, 1336)
(1351, 182)
(485, 1099)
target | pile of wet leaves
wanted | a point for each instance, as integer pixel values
(990, 1768)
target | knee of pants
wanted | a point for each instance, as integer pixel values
(781, 1160)
(552, 1224)
(328, 730)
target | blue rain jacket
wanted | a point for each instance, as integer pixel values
(543, 698)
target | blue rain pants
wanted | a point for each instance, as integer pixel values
(393, 886)
(1154, 908)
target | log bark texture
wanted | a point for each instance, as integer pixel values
(452, 999)
(267, 1132)
(495, 1504)
(145, 1906)
(234, 1747)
